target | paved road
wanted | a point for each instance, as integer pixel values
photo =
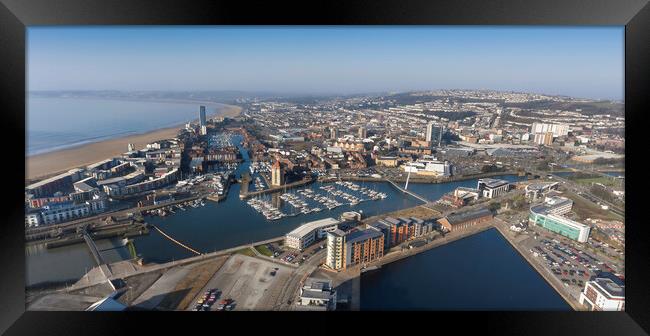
(152, 268)
(581, 189)
(292, 286)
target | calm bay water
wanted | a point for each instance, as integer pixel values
(222, 225)
(57, 123)
(480, 272)
(68, 263)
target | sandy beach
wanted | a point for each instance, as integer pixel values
(47, 164)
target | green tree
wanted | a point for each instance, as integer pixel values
(494, 206)
(544, 165)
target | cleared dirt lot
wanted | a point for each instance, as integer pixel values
(248, 281)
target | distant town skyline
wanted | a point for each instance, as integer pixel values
(584, 62)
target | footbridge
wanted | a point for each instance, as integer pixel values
(92, 247)
(103, 267)
(408, 191)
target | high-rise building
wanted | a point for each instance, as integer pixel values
(204, 130)
(334, 133)
(277, 174)
(362, 132)
(202, 118)
(363, 247)
(335, 250)
(556, 129)
(434, 134)
(545, 139)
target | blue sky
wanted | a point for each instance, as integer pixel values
(576, 61)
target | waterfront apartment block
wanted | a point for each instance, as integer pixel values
(363, 247)
(61, 182)
(548, 216)
(62, 211)
(335, 250)
(308, 233)
(33, 218)
(40, 202)
(277, 174)
(399, 230)
(465, 220)
(353, 248)
(123, 188)
(603, 294)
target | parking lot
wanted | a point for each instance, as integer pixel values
(293, 256)
(567, 260)
(246, 283)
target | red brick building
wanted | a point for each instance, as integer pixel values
(465, 220)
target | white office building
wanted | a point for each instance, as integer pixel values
(429, 167)
(558, 205)
(556, 129)
(492, 188)
(306, 234)
(603, 294)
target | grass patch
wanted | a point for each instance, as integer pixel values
(604, 238)
(610, 182)
(264, 250)
(421, 212)
(246, 251)
(585, 209)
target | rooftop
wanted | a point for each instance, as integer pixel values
(492, 183)
(53, 178)
(611, 288)
(391, 220)
(363, 235)
(468, 215)
(317, 284)
(82, 187)
(540, 186)
(97, 164)
(338, 232)
(556, 201)
(306, 228)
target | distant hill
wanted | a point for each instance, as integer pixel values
(587, 108)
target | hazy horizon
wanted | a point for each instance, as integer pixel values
(580, 62)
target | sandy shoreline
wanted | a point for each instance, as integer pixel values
(46, 164)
